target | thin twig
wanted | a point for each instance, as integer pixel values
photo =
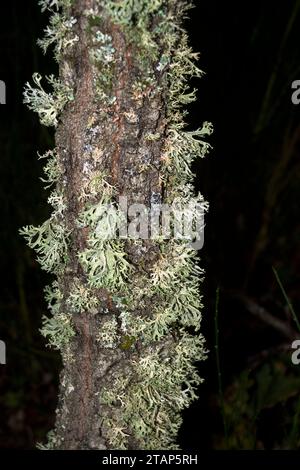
(289, 303)
(260, 312)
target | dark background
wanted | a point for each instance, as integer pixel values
(250, 53)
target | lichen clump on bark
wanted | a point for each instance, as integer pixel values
(126, 311)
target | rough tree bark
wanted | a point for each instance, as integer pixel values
(125, 313)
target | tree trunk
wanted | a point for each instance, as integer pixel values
(125, 311)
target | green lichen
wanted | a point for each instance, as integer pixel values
(108, 335)
(53, 297)
(58, 329)
(164, 379)
(181, 149)
(49, 240)
(133, 13)
(81, 299)
(59, 32)
(151, 399)
(104, 260)
(54, 5)
(104, 51)
(51, 442)
(102, 55)
(52, 168)
(48, 105)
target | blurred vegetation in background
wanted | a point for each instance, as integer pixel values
(251, 56)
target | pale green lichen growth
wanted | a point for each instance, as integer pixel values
(175, 279)
(92, 186)
(108, 334)
(52, 168)
(181, 149)
(152, 137)
(53, 297)
(150, 405)
(51, 442)
(59, 32)
(128, 12)
(49, 240)
(136, 19)
(102, 55)
(81, 300)
(104, 260)
(105, 263)
(58, 330)
(104, 51)
(54, 4)
(48, 105)
(176, 276)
